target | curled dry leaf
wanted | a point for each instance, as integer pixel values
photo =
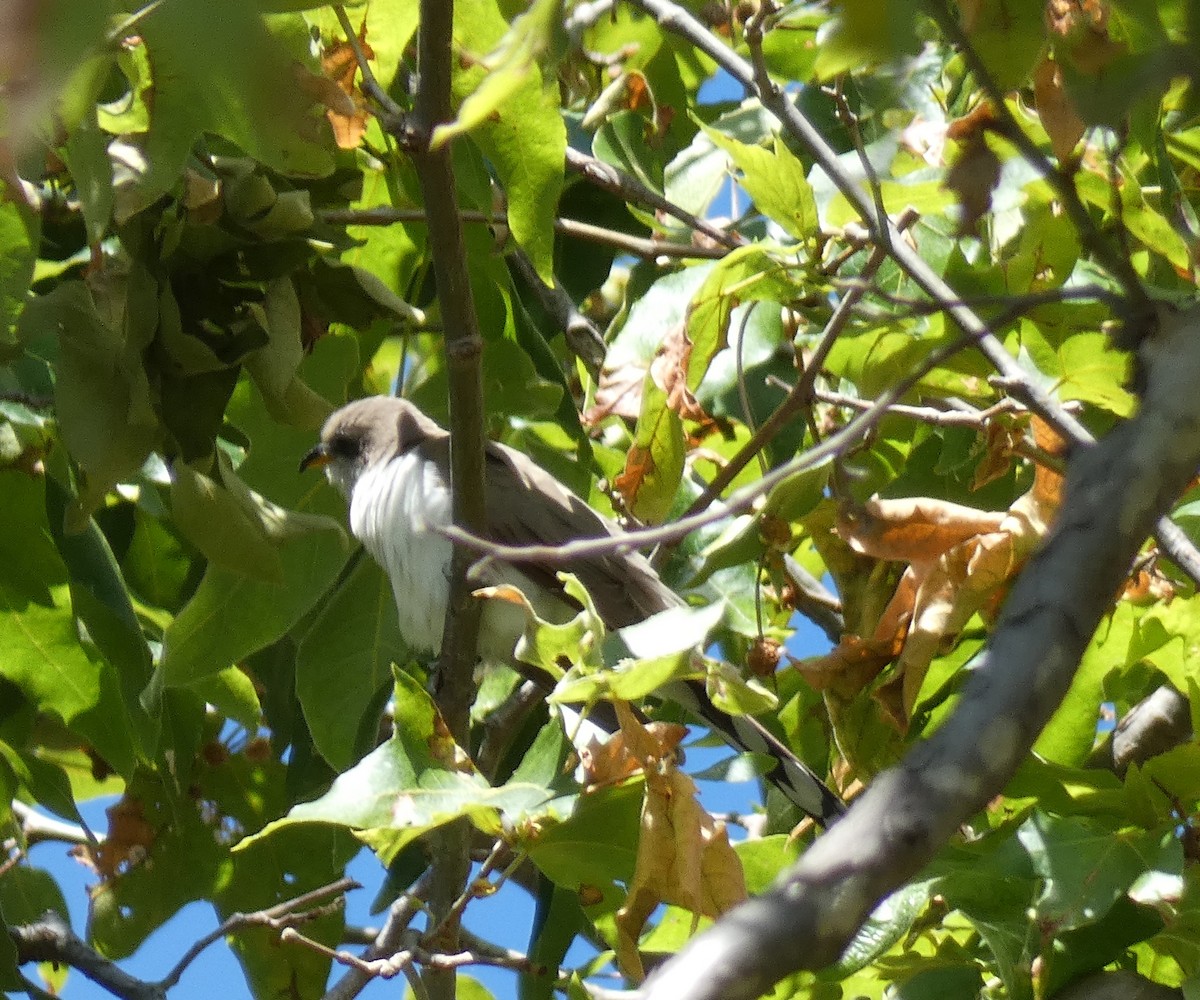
(1081, 29)
(684, 856)
(960, 561)
(615, 760)
(129, 839)
(1056, 110)
(669, 371)
(619, 393)
(972, 178)
(345, 106)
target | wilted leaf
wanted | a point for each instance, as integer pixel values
(1056, 110)
(960, 561)
(345, 106)
(684, 856)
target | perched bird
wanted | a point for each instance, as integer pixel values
(393, 465)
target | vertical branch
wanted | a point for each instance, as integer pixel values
(464, 349)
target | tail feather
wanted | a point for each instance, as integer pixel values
(787, 773)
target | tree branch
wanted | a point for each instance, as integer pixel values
(464, 351)
(647, 248)
(1113, 495)
(52, 940)
(629, 189)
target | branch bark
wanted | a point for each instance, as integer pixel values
(464, 352)
(1114, 494)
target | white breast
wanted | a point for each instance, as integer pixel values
(396, 510)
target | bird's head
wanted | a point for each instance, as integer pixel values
(366, 433)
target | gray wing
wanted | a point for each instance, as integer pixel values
(539, 510)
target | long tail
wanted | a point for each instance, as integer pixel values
(788, 773)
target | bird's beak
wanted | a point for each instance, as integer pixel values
(317, 458)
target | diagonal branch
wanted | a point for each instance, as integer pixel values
(1114, 494)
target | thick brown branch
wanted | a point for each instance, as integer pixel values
(1114, 494)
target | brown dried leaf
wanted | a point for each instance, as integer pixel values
(618, 392)
(974, 123)
(1082, 30)
(912, 529)
(1000, 440)
(849, 667)
(1149, 585)
(1047, 482)
(669, 371)
(684, 855)
(639, 464)
(615, 760)
(129, 839)
(972, 178)
(345, 106)
(1056, 110)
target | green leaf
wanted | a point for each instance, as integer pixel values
(993, 884)
(44, 658)
(26, 893)
(547, 645)
(1071, 732)
(408, 785)
(622, 142)
(20, 230)
(655, 463)
(748, 274)
(629, 681)
(559, 918)
(214, 520)
(597, 844)
(182, 862)
(239, 85)
(86, 156)
(296, 860)
(231, 616)
(868, 32)
(776, 180)
(524, 136)
(1086, 866)
(345, 658)
(101, 392)
(231, 692)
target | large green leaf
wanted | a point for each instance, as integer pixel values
(238, 84)
(523, 136)
(231, 616)
(344, 659)
(411, 784)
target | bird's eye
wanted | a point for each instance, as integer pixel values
(344, 446)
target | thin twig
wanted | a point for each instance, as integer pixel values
(278, 917)
(675, 19)
(802, 393)
(833, 446)
(393, 115)
(647, 248)
(1115, 263)
(456, 908)
(585, 341)
(628, 188)
(387, 942)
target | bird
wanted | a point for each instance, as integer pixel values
(392, 464)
